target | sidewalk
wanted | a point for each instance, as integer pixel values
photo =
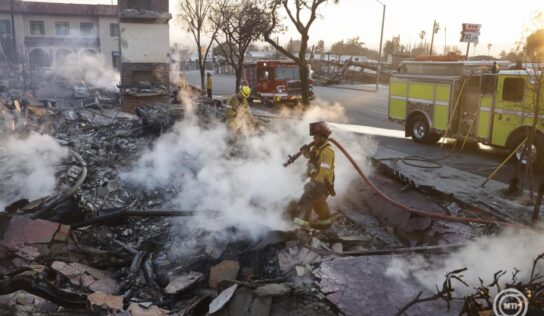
(370, 87)
(462, 186)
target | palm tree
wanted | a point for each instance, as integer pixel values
(489, 49)
(422, 36)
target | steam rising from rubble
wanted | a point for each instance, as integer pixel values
(92, 69)
(27, 167)
(483, 257)
(243, 179)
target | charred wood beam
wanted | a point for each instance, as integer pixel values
(126, 247)
(44, 289)
(481, 301)
(445, 293)
(126, 213)
(254, 283)
(86, 249)
(56, 200)
(538, 203)
(390, 251)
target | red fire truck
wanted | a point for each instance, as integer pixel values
(274, 81)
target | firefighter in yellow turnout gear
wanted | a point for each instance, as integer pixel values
(239, 117)
(321, 173)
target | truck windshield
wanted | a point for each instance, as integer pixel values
(287, 73)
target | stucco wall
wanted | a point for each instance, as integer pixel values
(144, 43)
(108, 44)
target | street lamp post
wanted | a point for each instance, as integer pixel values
(380, 51)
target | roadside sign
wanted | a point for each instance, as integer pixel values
(470, 33)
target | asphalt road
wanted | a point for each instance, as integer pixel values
(368, 108)
(366, 111)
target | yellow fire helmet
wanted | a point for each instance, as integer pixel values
(245, 91)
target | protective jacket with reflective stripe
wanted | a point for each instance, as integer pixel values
(322, 159)
(237, 108)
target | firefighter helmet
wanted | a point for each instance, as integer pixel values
(320, 128)
(245, 91)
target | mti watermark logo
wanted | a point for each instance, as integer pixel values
(510, 302)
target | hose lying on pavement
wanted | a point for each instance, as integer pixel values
(418, 211)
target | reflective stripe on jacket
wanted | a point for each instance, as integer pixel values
(323, 158)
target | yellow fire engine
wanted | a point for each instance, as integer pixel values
(477, 101)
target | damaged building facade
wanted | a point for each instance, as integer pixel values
(46, 34)
(145, 51)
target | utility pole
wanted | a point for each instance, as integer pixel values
(380, 51)
(436, 27)
(329, 64)
(445, 42)
(14, 41)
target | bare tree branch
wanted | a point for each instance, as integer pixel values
(194, 14)
(240, 23)
(294, 9)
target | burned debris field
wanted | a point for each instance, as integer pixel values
(271, 158)
(163, 212)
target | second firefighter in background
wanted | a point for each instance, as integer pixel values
(239, 117)
(321, 173)
(209, 85)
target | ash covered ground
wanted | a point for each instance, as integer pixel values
(165, 212)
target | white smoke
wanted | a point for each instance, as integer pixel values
(91, 69)
(510, 250)
(27, 167)
(244, 179)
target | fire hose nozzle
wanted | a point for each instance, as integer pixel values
(294, 157)
(289, 161)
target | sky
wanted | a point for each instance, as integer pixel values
(502, 21)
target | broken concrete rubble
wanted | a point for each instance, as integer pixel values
(22, 230)
(359, 286)
(114, 260)
(273, 289)
(182, 282)
(244, 302)
(136, 309)
(225, 270)
(222, 299)
(88, 277)
(109, 303)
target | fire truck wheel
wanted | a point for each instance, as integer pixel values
(265, 102)
(421, 133)
(537, 151)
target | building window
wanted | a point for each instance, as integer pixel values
(62, 28)
(116, 60)
(86, 29)
(114, 30)
(5, 27)
(139, 4)
(37, 28)
(513, 89)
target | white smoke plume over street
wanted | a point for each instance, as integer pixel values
(510, 250)
(245, 181)
(27, 167)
